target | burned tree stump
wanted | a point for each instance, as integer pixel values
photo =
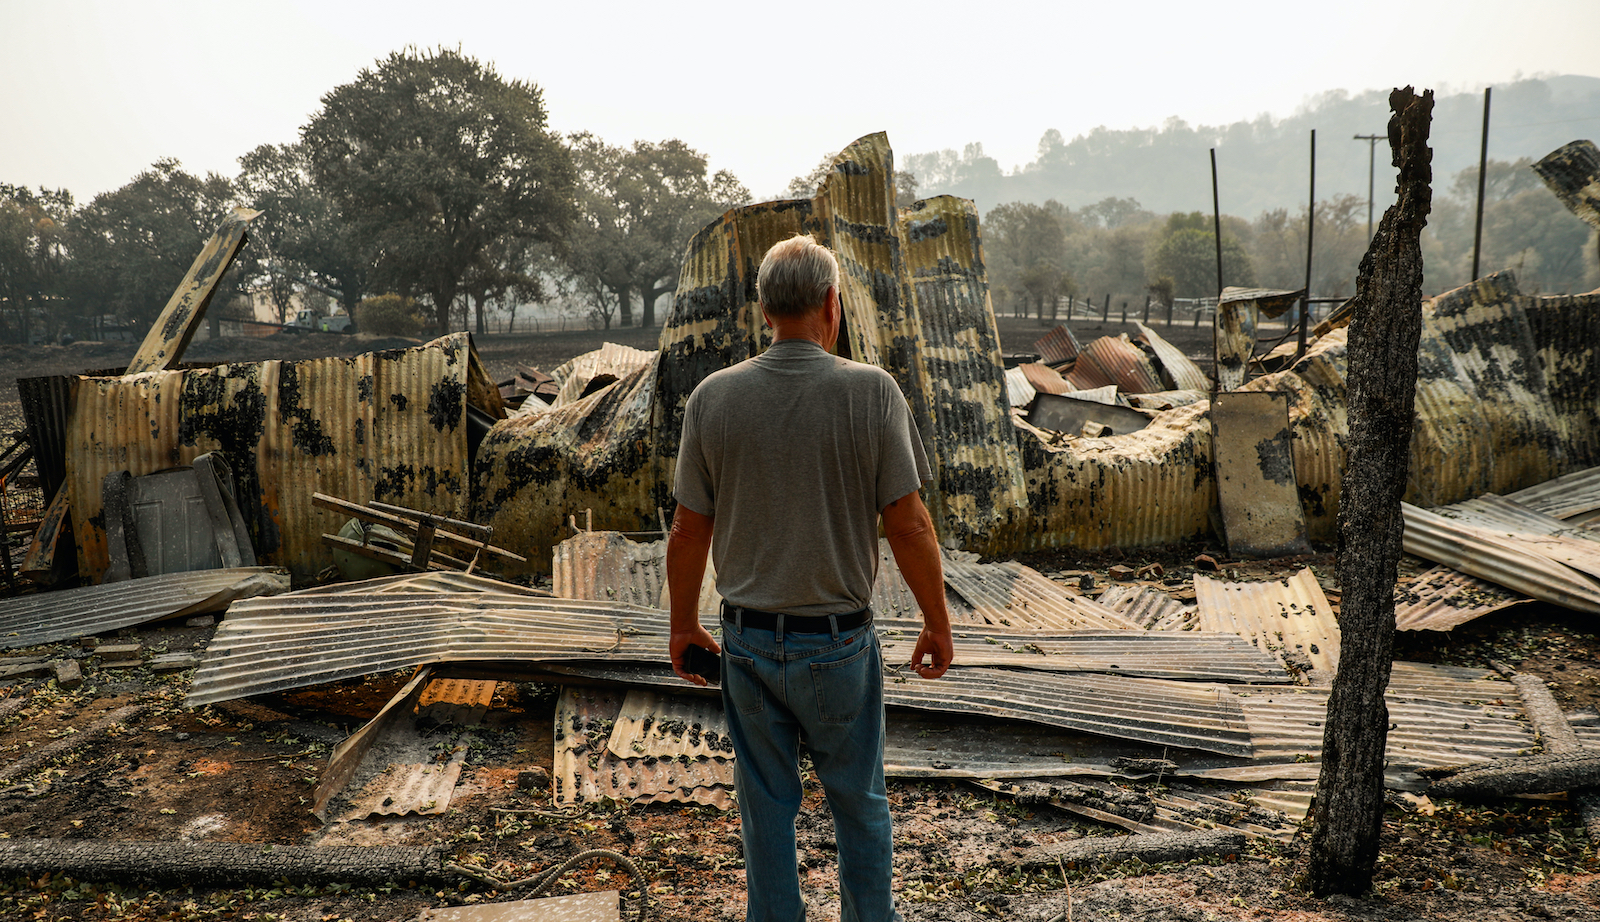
(1385, 326)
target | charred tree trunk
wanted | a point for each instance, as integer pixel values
(624, 306)
(1382, 381)
(1546, 773)
(221, 864)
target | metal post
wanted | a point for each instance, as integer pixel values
(1311, 224)
(1216, 220)
(1105, 311)
(1483, 170)
(1372, 147)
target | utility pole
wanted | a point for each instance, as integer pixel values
(1372, 147)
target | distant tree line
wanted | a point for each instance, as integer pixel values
(429, 184)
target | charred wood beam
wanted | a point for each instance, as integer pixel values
(1557, 735)
(1151, 848)
(1546, 773)
(221, 864)
(1385, 328)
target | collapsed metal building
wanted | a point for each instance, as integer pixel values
(1508, 393)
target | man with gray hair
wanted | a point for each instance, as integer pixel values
(787, 462)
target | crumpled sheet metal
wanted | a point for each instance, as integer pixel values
(532, 472)
(1058, 346)
(308, 638)
(1008, 594)
(1498, 559)
(1572, 171)
(1234, 341)
(70, 613)
(610, 360)
(1490, 515)
(1444, 598)
(1562, 497)
(389, 426)
(605, 566)
(1289, 619)
(1176, 367)
(1149, 608)
(1125, 364)
(1268, 812)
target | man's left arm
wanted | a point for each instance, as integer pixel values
(687, 546)
(909, 528)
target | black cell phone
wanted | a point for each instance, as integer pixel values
(703, 663)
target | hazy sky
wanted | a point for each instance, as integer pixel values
(93, 92)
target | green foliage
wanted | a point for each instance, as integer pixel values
(390, 315)
(1025, 247)
(437, 161)
(1188, 255)
(32, 258)
(638, 207)
(131, 247)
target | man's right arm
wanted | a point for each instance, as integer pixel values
(687, 545)
(909, 529)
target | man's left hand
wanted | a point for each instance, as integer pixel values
(938, 648)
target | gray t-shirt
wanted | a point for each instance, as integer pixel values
(794, 453)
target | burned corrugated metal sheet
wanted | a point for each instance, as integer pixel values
(46, 404)
(1187, 656)
(1272, 302)
(1019, 391)
(1234, 336)
(1562, 497)
(1509, 563)
(1253, 452)
(1497, 517)
(385, 425)
(358, 631)
(1572, 171)
(598, 906)
(1044, 379)
(170, 334)
(1058, 346)
(611, 360)
(1124, 364)
(1150, 609)
(69, 613)
(1010, 594)
(1290, 619)
(1178, 371)
(668, 726)
(1273, 812)
(586, 771)
(1444, 598)
(954, 344)
(606, 566)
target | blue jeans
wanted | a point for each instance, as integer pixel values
(828, 690)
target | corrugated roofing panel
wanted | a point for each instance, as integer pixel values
(389, 426)
(1086, 375)
(1125, 364)
(1011, 594)
(47, 617)
(1044, 378)
(1270, 301)
(1572, 171)
(953, 345)
(1189, 656)
(1150, 609)
(586, 770)
(1290, 619)
(1444, 598)
(1058, 346)
(1563, 497)
(1431, 536)
(605, 566)
(1184, 374)
(1234, 336)
(1273, 812)
(1501, 519)
(1018, 391)
(658, 726)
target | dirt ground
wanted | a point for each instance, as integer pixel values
(245, 772)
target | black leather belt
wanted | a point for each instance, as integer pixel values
(795, 624)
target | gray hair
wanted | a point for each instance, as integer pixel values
(795, 277)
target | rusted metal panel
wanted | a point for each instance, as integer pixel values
(1572, 171)
(69, 613)
(1178, 370)
(1444, 598)
(1124, 363)
(1087, 375)
(163, 346)
(611, 360)
(1044, 379)
(1253, 450)
(1058, 346)
(1505, 562)
(1290, 619)
(389, 426)
(1009, 594)
(46, 404)
(586, 770)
